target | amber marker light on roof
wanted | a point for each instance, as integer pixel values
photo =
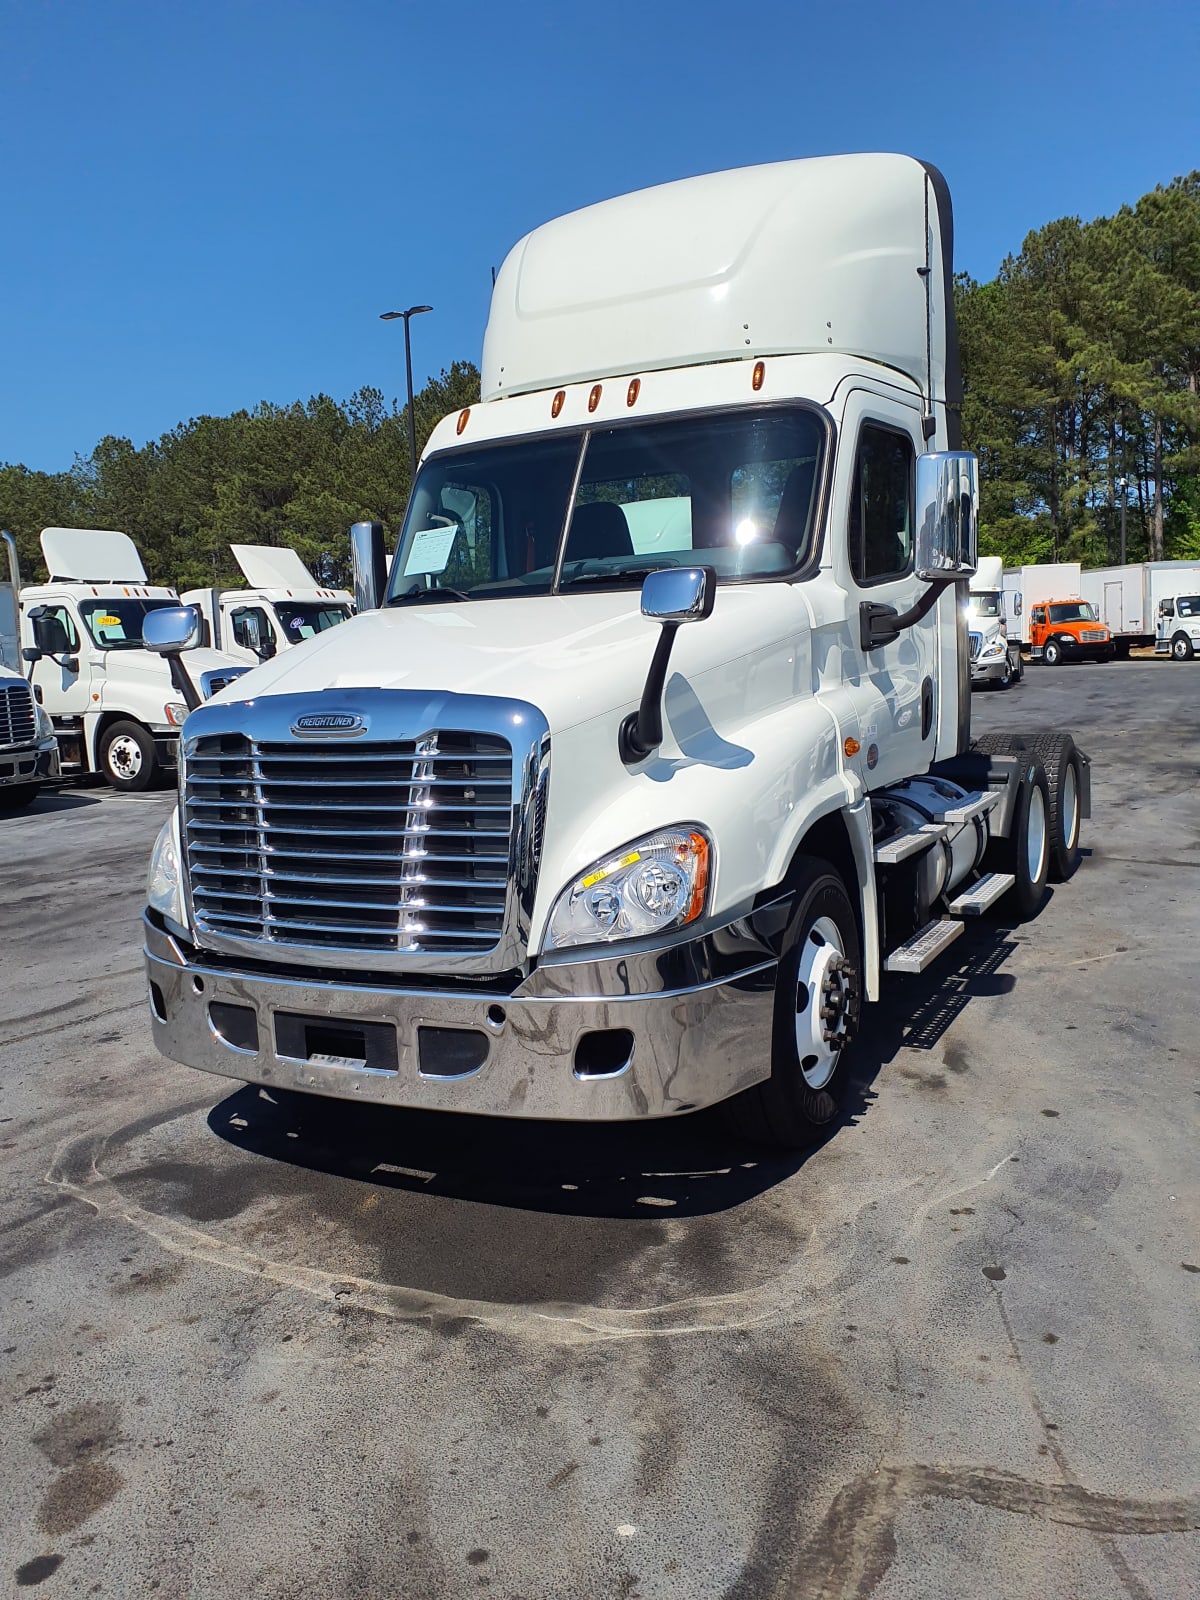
(594, 397)
(631, 394)
(760, 372)
(556, 404)
(463, 418)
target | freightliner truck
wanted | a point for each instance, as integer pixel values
(283, 606)
(993, 659)
(116, 706)
(28, 748)
(653, 760)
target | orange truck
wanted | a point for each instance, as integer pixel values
(1067, 630)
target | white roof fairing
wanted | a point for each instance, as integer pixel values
(268, 567)
(92, 555)
(828, 254)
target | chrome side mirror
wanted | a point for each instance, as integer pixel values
(171, 629)
(368, 561)
(671, 596)
(947, 515)
(679, 594)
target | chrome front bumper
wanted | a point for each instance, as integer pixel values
(37, 763)
(697, 1019)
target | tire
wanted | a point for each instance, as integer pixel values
(1026, 851)
(820, 961)
(1064, 784)
(128, 758)
(1051, 653)
(1006, 679)
(16, 796)
(1181, 648)
(1019, 668)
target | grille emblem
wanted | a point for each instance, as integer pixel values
(324, 724)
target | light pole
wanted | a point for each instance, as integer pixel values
(391, 316)
(1123, 486)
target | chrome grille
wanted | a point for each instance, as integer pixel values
(976, 645)
(401, 847)
(1090, 635)
(18, 720)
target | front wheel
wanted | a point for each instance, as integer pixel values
(1181, 648)
(128, 758)
(817, 1001)
(1006, 675)
(1052, 654)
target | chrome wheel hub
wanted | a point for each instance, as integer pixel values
(125, 757)
(826, 986)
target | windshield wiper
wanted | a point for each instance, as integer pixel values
(610, 577)
(417, 594)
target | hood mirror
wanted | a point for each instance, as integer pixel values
(171, 629)
(671, 596)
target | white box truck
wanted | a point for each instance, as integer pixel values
(28, 749)
(1178, 626)
(116, 706)
(568, 829)
(283, 606)
(1128, 599)
(993, 659)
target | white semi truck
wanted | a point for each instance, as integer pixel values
(116, 706)
(654, 759)
(28, 748)
(993, 659)
(283, 606)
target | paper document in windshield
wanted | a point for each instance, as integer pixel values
(430, 550)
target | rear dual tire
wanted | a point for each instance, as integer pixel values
(1063, 771)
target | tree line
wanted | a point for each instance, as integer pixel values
(1081, 365)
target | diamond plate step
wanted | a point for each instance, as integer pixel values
(903, 845)
(916, 953)
(970, 807)
(981, 896)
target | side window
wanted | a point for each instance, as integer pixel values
(881, 517)
(250, 628)
(1038, 614)
(63, 617)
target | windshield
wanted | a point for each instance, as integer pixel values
(986, 603)
(1075, 611)
(734, 491)
(117, 624)
(303, 619)
(1189, 605)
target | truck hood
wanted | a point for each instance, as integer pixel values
(574, 656)
(145, 669)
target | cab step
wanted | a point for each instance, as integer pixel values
(902, 845)
(970, 807)
(915, 954)
(982, 896)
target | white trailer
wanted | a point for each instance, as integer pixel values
(1031, 585)
(283, 606)
(608, 816)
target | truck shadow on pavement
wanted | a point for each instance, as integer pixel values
(688, 1167)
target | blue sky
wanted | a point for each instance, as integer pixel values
(206, 205)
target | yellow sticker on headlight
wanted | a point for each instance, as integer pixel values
(604, 872)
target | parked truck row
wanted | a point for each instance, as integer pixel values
(1063, 612)
(649, 759)
(108, 703)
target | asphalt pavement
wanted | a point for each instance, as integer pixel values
(275, 1350)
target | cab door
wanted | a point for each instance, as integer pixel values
(64, 679)
(893, 685)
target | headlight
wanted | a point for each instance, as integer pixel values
(175, 713)
(656, 883)
(164, 892)
(45, 727)
(995, 648)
